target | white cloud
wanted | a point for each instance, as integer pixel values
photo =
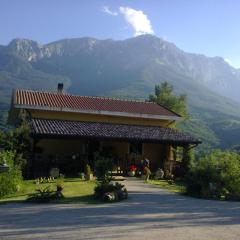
(138, 20)
(107, 10)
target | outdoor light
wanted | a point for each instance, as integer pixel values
(4, 167)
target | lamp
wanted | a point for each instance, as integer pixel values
(4, 167)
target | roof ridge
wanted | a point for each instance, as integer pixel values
(94, 97)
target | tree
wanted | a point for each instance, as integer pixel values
(18, 141)
(164, 96)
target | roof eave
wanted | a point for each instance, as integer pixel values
(145, 140)
(108, 113)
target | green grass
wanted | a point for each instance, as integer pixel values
(177, 187)
(75, 191)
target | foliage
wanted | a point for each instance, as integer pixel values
(18, 141)
(11, 180)
(164, 96)
(187, 162)
(8, 157)
(43, 194)
(103, 167)
(236, 148)
(200, 129)
(3, 119)
(215, 175)
(110, 192)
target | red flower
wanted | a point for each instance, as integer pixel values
(133, 168)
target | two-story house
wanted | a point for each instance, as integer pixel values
(69, 131)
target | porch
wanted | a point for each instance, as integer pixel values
(71, 145)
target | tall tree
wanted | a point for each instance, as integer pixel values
(164, 96)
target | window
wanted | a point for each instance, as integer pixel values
(135, 148)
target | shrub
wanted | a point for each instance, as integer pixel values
(11, 180)
(215, 175)
(103, 167)
(110, 192)
(18, 142)
(43, 194)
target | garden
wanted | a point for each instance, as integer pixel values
(14, 150)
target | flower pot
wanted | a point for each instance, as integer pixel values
(131, 173)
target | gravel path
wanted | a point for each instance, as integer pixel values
(149, 213)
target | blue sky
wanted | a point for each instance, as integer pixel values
(210, 27)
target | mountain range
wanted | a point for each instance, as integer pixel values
(130, 69)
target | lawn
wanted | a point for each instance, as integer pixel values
(75, 191)
(177, 186)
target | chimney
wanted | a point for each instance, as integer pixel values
(60, 88)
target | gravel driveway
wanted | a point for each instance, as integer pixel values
(150, 213)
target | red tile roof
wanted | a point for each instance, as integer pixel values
(27, 98)
(62, 128)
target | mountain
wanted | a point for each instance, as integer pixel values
(129, 69)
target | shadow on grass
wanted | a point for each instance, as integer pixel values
(87, 199)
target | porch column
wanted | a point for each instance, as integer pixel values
(169, 159)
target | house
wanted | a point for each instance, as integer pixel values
(69, 131)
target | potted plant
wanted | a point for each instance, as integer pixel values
(132, 171)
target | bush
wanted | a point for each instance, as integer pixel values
(216, 175)
(43, 195)
(110, 192)
(11, 180)
(103, 167)
(18, 142)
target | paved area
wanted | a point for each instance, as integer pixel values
(150, 213)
